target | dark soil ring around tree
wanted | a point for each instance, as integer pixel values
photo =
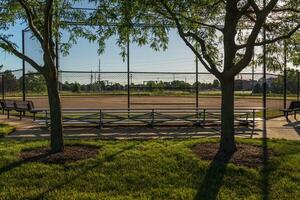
(71, 153)
(247, 155)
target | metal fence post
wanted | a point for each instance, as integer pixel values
(128, 75)
(252, 81)
(197, 80)
(264, 75)
(285, 76)
(298, 82)
(3, 87)
(23, 67)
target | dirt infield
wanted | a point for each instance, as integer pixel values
(120, 101)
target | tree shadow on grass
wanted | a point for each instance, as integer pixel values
(82, 172)
(19, 163)
(213, 179)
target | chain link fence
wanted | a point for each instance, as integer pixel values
(151, 89)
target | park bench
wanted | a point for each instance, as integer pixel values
(8, 105)
(293, 108)
(25, 106)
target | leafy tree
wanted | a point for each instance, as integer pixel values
(34, 83)
(10, 81)
(277, 84)
(216, 84)
(76, 87)
(46, 19)
(222, 34)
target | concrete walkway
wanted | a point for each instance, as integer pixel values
(277, 128)
(280, 128)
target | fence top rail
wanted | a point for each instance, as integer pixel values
(238, 109)
(156, 72)
(12, 71)
(139, 72)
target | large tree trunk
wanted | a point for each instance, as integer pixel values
(57, 140)
(227, 144)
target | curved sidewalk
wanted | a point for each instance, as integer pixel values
(278, 128)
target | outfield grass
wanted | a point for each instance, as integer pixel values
(6, 129)
(175, 93)
(157, 169)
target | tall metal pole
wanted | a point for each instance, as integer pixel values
(197, 81)
(252, 83)
(264, 73)
(3, 87)
(59, 86)
(57, 61)
(128, 75)
(23, 67)
(298, 82)
(285, 76)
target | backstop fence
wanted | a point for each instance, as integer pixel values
(92, 89)
(132, 89)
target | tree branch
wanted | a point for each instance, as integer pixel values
(203, 24)
(286, 10)
(8, 46)
(269, 7)
(30, 18)
(273, 40)
(254, 6)
(203, 50)
(48, 19)
(261, 17)
(183, 35)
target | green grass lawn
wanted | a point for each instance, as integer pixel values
(6, 129)
(271, 113)
(157, 169)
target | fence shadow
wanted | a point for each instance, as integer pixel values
(265, 171)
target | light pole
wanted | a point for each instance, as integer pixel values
(23, 66)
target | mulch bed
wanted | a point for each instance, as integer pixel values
(247, 155)
(71, 153)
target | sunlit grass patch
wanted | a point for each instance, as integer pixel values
(156, 169)
(6, 129)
